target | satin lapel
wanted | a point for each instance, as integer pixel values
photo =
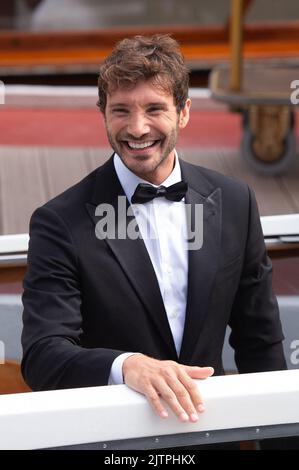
(203, 262)
(131, 254)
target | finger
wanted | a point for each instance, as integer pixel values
(177, 396)
(199, 372)
(186, 392)
(169, 396)
(193, 390)
(154, 399)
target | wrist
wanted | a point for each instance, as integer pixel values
(129, 363)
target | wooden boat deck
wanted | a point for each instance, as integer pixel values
(30, 176)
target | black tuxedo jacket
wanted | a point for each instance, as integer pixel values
(88, 300)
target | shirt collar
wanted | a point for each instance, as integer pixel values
(130, 181)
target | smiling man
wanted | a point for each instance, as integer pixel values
(146, 310)
(142, 126)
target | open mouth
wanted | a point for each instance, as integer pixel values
(140, 145)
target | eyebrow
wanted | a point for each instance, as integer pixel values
(148, 105)
(159, 103)
(116, 104)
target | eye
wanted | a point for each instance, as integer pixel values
(155, 109)
(120, 111)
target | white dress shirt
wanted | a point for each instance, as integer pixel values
(162, 224)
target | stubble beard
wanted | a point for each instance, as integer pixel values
(142, 168)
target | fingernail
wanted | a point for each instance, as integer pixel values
(193, 417)
(201, 408)
(164, 414)
(184, 417)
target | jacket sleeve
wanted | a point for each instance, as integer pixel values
(52, 323)
(256, 328)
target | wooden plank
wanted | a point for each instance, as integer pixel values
(22, 188)
(65, 51)
(290, 184)
(260, 85)
(30, 176)
(62, 168)
(208, 158)
(256, 33)
(273, 198)
(11, 380)
(97, 157)
(283, 251)
(12, 274)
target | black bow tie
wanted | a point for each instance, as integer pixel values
(146, 192)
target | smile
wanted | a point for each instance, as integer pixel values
(141, 145)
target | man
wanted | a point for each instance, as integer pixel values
(148, 307)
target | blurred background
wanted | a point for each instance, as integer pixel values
(94, 14)
(242, 124)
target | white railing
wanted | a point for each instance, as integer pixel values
(13, 249)
(83, 97)
(281, 228)
(257, 405)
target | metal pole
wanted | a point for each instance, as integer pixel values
(236, 39)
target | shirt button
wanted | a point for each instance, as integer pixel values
(173, 314)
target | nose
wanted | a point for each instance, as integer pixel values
(138, 126)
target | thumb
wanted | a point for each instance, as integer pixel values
(199, 372)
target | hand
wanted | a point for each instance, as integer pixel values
(168, 380)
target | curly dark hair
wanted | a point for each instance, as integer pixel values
(157, 58)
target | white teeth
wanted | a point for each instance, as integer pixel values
(142, 145)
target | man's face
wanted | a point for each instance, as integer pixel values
(142, 125)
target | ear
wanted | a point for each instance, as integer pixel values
(185, 114)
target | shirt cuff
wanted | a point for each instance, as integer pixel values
(116, 372)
